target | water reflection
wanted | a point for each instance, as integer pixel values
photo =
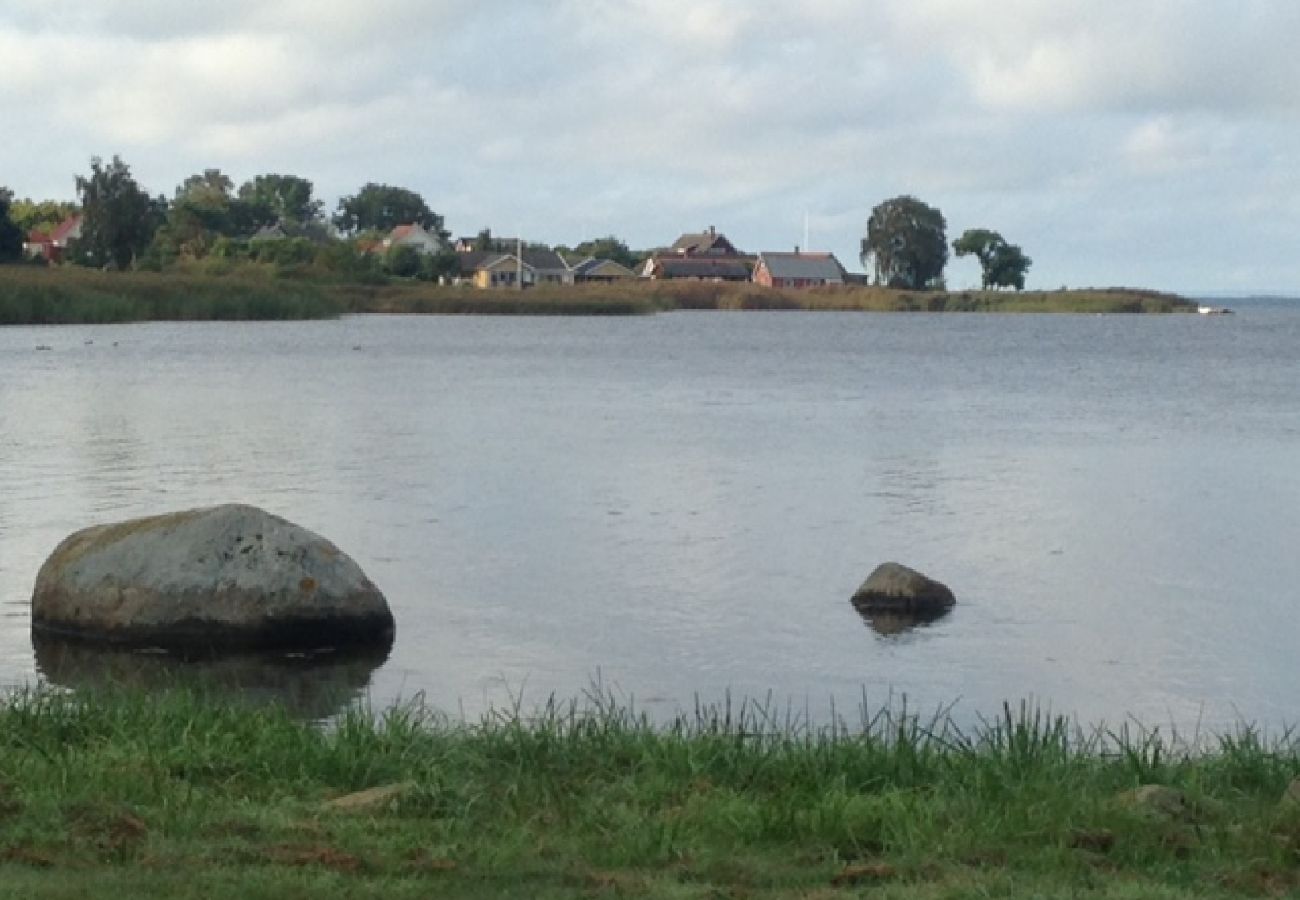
(896, 624)
(309, 685)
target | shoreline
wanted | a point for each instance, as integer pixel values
(33, 296)
(177, 795)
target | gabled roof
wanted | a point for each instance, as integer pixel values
(591, 264)
(66, 229)
(705, 242)
(725, 268)
(809, 266)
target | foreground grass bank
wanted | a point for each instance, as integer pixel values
(175, 796)
(71, 295)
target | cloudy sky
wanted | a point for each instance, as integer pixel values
(1135, 142)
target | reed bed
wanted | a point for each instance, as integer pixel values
(183, 795)
(71, 295)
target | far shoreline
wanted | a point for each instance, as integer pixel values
(72, 296)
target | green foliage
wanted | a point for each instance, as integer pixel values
(402, 261)
(906, 243)
(120, 217)
(43, 216)
(610, 248)
(11, 236)
(1002, 264)
(272, 198)
(382, 207)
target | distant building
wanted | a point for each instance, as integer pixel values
(415, 235)
(706, 256)
(798, 270)
(52, 247)
(667, 267)
(707, 243)
(601, 271)
(492, 268)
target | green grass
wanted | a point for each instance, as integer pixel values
(177, 795)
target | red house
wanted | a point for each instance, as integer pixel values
(798, 270)
(52, 247)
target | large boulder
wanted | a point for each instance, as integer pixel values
(894, 588)
(226, 577)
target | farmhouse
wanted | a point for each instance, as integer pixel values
(798, 270)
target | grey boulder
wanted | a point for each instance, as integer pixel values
(225, 577)
(895, 588)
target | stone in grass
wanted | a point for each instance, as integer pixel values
(1156, 800)
(222, 578)
(895, 588)
(372, 800)
(1291, 799)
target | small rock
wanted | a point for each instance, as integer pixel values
(1156, 799)
(898, 589)
(370, 800)
(1292, 796)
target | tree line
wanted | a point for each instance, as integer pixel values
(906, 246)
(124, 227)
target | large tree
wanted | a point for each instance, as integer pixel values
(382, 207)
(906, 243)
(120, 217)
(11, 236)
(280, 198)
(1002, 264)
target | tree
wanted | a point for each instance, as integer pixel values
(382, 207)
(906, 242)
(1002, 264)
(272, 198)
(120, 217)
(44, 215)
(608, 247)
(203, 211)
(11, 236)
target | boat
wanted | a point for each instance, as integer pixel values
(1213, 310)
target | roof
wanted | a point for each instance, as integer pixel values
(727, 269)
(809, 266)
(702, 242)
(591, 264)
(65, 229)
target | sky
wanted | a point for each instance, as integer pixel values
(1147, 143)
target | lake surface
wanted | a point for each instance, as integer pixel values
(681, 505)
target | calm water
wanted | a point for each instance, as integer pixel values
(681, 505)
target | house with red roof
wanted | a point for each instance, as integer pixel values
(415, 235)
(53, 246)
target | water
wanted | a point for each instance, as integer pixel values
(681, 505)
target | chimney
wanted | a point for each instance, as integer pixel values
(713, 232)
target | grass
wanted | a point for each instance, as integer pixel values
(649, 297)
(71, 295)
(67, 295)
(178, 795)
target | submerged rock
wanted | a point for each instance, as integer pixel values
(225, 577)
(895, 588)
